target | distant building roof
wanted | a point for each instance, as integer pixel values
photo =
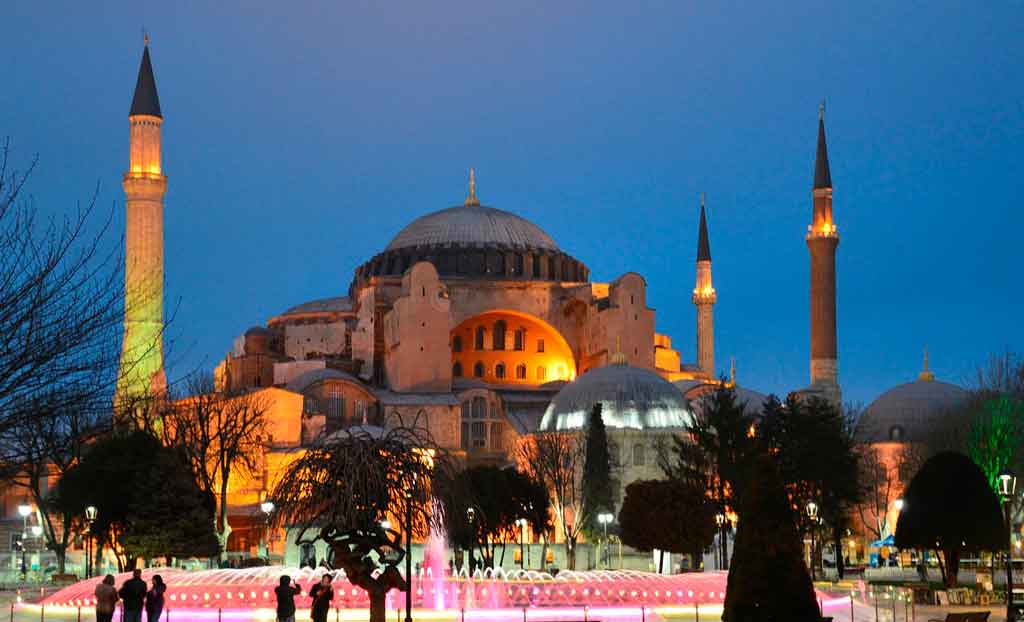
(323, 305)
(906, 413)
(304, 381)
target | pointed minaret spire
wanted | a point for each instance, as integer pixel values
(926, 375)
(471, 199)
(703, 246)
(732, 371)
(822, 175)
(145, 102)
(704, 298)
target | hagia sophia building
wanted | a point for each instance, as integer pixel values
(476, 324)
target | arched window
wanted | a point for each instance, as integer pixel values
(896, 433)
(540, 345)
(497, 430)
(335, 410)
(479, 408)
(498, 339)
(457, 370)
(520, 340)
(478, 343)
(638, 455)
(456, 343)
(542, 374)
(478, 370)
(499, 371)
(521, 371)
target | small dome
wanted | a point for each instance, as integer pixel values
(906, 412)
(323, 305)
(472, 226)
(630, 397)
(694, 390)
(257, 331)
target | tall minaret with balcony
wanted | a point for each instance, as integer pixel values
(142, 369)
(704, 299)
(822, 241)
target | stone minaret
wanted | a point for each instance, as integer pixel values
(704, 298)
(142, 367)
(822, 240)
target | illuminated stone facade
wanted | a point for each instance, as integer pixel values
(142, 370)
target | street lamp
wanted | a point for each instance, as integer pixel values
(521, 523)
(604, 518)
(471, 517)
(24, 509)
(267, 507)
(720, 521)
(1007, 489)
(812, 513)
(90, 517)
(408, 548)
(385, 524)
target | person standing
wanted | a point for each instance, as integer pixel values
(155, 599)
(322, 595)
(286, 592)
(106, 599)
(133, 593)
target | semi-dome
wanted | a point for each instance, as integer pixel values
(905, 413)
(472, 226)
(630, 397)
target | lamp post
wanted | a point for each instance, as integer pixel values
(471, 517)
(408, 549)
(24, 509)
(812, 513)
(90, 517)
(521, 523)
(604, 518)
(720, 521)
(267, 507)
(1007, 489)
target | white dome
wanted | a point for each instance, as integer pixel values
(630, 397)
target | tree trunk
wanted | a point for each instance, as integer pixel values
(544, 552)
(837, 544)
(952, 566)
(661, 560)
(378, 606)
(570, 553)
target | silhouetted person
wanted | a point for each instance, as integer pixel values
(106, 599)
(133, 593)
(286, 592)
(322, 595)
(155, 599)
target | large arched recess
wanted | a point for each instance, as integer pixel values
(544, 353)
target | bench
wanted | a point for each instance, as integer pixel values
(964, 616)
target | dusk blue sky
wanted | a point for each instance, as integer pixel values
(299, 138)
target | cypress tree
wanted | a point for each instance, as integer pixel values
(598, 487)
(768, 579)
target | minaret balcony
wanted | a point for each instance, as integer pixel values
(705, 296)
(822, 231)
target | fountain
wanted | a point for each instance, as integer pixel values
(494, 594)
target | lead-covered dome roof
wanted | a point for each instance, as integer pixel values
(630, 397)
(474, 226)
(906, 412)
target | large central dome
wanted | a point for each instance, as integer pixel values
(472, 226)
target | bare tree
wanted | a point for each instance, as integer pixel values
(883, 476)
(555, 459)
(221, 434)
(48, 444)
(61, 305)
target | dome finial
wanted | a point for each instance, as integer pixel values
(471, 199)
(145, 36)
(926, 375)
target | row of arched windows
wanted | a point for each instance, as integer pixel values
(500, 371)
(482, 426)
(498, 335)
